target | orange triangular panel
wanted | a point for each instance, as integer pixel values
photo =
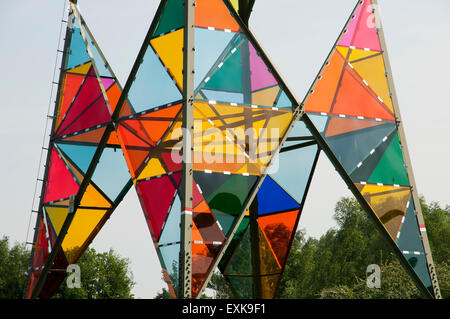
(221, 19)
(321, 99)
(355, 99)
(278, 229)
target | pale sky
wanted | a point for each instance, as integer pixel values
(296, 34)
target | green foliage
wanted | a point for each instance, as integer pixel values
(13, 265)
(335, 265)
(103, 276)
(220, 287)
(164, 294)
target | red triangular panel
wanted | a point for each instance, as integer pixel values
(156, 196)
(60, 182)
(356, 99)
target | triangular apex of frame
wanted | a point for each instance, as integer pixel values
(83, 114)
(354, 90)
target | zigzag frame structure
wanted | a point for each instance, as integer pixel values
(202, 121)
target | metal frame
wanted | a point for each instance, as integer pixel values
(187, 171)
(245, 9)
(340, 169)
(405, 152)
(185, 261)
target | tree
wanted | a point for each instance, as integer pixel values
(334, 266)
(103, 275)
(340, 258)
(13, 267)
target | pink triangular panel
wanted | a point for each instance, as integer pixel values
(107, 82)
(362, 32)
(346, 39)
(60, 181)
(260, 75)
(156, 196)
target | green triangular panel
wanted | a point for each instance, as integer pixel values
(229, 76)
(241, 264)
(368, 165)
(172, 17)
(226, 195)
(234, 243)
(410, 243)
(391, 168)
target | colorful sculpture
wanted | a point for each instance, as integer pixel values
(200, 126)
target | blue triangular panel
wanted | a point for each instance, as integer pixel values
(272, 198)
(80, 155)
(111, 174)
(77, 54)
(153, 85)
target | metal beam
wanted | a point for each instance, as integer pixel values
(404, 147)
(185, 260)
(245, 9)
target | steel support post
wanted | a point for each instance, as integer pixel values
(406, 157)
(185, 260)
(245, 9)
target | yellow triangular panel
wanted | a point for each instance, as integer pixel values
(153, 168)
(388, 203)
(235, 4)
(92, 198)
(266, 96)
(57, 217)
(169, 48)
(343, 51)
(372, 71)
(83, 225)
(82, 69)
(357, 54)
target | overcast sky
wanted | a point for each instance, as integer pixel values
(297, 35)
